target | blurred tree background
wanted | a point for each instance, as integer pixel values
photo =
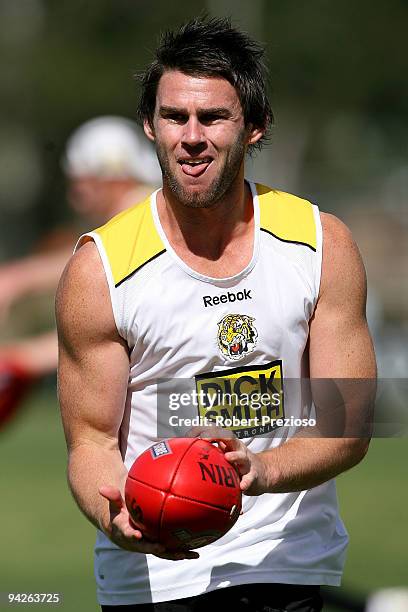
(339, 91)
(338, 88)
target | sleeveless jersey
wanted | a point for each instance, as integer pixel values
(180, 324)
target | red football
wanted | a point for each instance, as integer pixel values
(183, 493)
(14, 384)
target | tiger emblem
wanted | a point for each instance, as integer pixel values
(237, 336)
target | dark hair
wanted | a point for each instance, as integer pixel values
(212, 48)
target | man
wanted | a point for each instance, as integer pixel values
(110, 165)
(167, 277)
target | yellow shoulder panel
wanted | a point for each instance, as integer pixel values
(287, 217)
(130, 240)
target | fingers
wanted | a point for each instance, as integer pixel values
(111, 493)
(194, 432)
(178, 555)
(240, 459)
(128, 541)
(130, 538)
(246, 482)
(118, 515)
(212, 433)
(114, 497)
(125, 535)
(127, 530)
(209, 432)
(246, 465)
(149, 548)
(133, 540)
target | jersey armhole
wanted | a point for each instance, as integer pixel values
(94, 237)
(319, 252)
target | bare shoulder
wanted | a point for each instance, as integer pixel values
(93, 358)
(337, 237)
(339, 339)
(342, 266)
(82, 300)
(84, 269)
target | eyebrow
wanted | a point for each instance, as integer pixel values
(220, 111)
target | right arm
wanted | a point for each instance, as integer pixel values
(92, 381)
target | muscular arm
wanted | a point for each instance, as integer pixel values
(92, 379)
(92, 382)
(340, 348)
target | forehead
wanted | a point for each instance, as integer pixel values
(185, 91)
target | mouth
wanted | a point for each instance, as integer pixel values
(195, 166)
(236, 348)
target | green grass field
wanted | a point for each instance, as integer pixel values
(47, 544)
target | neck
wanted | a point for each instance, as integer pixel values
(207, 231)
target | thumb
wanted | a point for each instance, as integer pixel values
(114, 497)
(246, 482)
(230, 444)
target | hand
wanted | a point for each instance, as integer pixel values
(122, 533)
(252, 467)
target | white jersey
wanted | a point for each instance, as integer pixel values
(230, 332)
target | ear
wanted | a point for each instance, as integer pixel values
(254, 134)
(148, 130)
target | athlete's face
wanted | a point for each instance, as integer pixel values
(200, 136)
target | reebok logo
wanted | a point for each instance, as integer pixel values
(227, 297)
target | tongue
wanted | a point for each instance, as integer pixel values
(195, 170)
(235, 348)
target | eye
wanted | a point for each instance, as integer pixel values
(209, 118)
(178, 118)
(175, 117)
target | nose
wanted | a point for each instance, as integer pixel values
(193, 134)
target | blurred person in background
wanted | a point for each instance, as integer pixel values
(110, 165)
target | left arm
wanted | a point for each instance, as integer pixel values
(340, 347)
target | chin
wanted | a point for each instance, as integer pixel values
(204, 197)
(199, 203)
